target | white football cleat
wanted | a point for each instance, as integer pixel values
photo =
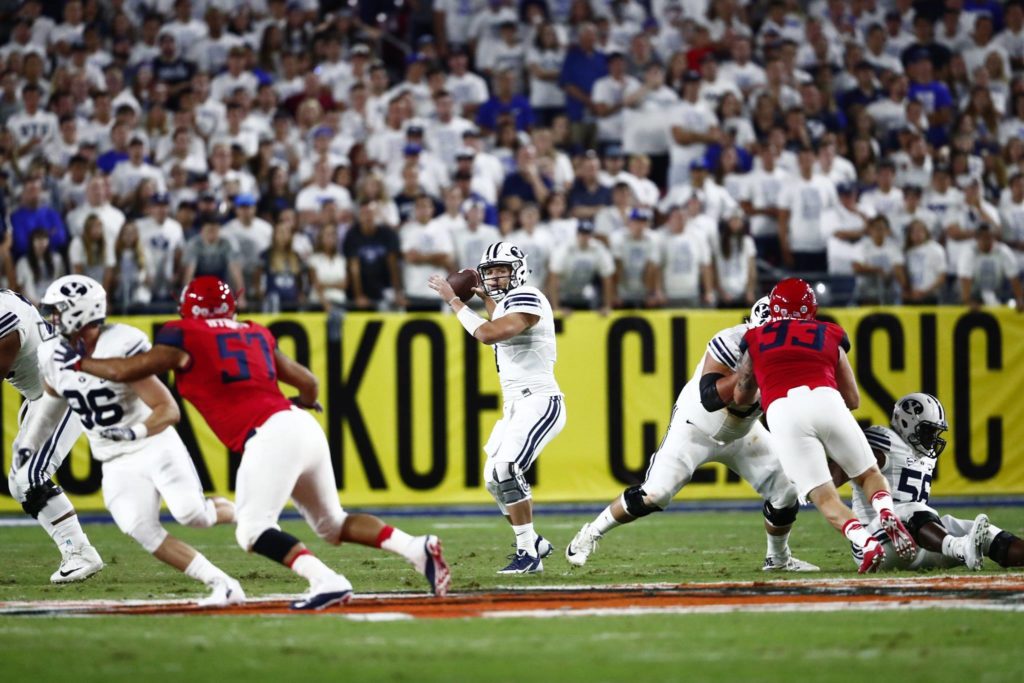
(224, 594)
(582, 545)
(787, 564)
(323, 594)
(78, 565)
(974, 548)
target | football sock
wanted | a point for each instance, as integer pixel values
(308, 566)
(882, 501)
(856, 532)
(65, 531)
(952, 546)
(605, 521)
(396, 541)
(526, 538)
(778, 546)
(201, 569)
(993, 531)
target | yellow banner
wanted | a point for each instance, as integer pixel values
(411, 399)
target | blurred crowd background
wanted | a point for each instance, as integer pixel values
(643, 153)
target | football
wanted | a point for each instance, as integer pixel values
(463, 283)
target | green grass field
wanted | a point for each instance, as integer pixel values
(919, 645)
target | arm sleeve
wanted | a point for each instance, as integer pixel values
(8, 323)
(725, 352)
(135, 342)
(170, 335)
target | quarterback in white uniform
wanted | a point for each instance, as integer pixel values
(907, 451)
(522, 330)
(46, 434)
(704, 428)
(130, 429)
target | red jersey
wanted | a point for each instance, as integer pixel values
(793, 353)
(231, 377)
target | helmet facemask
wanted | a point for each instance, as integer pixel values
(492, 281)
(920, 420)
(927, 438)
(507, 256)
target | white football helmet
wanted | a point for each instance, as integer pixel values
(503, 254)
(760, 313)
(72, 302)
(920, 420)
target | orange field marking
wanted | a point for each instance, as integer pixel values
(976, 592)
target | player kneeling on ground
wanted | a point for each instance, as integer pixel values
(906, 452)
(130, 430)
(229, 370)
(705, 427)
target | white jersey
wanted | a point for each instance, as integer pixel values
(729, 423)
(909, 473)
(100, 403)
(526, 362)
(18, 315)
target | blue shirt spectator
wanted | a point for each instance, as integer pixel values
(503, 103)
(32, 214)
(582, 67)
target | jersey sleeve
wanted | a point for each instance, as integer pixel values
(48, 370)
(9, 322)
(726, 350)
(880, 441)
(524, 302)
(133, 341)
(171, 334)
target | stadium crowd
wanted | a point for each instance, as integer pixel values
(643, 153)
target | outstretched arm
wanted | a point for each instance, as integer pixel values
(160, 359)
(746, 384)
(164, 413)
(487, 331)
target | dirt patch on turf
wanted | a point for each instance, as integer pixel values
(982, 592)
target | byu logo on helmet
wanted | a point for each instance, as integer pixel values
(72, 302)
(920, 420)
(504, 255)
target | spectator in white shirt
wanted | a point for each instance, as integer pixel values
(310, 197)
(886, 199)
(735, 263)
(575, 265)
(129, 173)
(544, 61)
(878, 263)
(685, 277)
(635, 250)
(988, 271)
(608, 98)
(802, 204)
(925, 264)
(537, 243)
(428, 250)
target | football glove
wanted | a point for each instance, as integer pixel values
(315, 405)
(118, 434)
(67, 358)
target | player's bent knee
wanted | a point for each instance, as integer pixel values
(780, 517)
(510, 483)
(635, 500)
(919, 519)
(37, 497)
(149, 534)
(201, 517)
(999, 549)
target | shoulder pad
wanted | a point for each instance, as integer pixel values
(880, 438)
(724, 347)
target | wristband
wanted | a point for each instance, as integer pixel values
(470, 320)
(140, 430)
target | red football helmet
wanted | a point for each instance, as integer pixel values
(793, 298)
(207, 297)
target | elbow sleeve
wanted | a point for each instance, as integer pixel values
(709, 397)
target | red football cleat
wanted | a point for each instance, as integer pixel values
(874, 553)
(901, 539)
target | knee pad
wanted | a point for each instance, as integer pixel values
(779, 517)
(37, 497)
(999, 548)
(633, 501)
(198, 517)
(273, 544)
(510, 483)
(918, 520)
(149, 534)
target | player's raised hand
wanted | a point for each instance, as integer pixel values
(118, 433)
(315, 405)
(67, 358)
